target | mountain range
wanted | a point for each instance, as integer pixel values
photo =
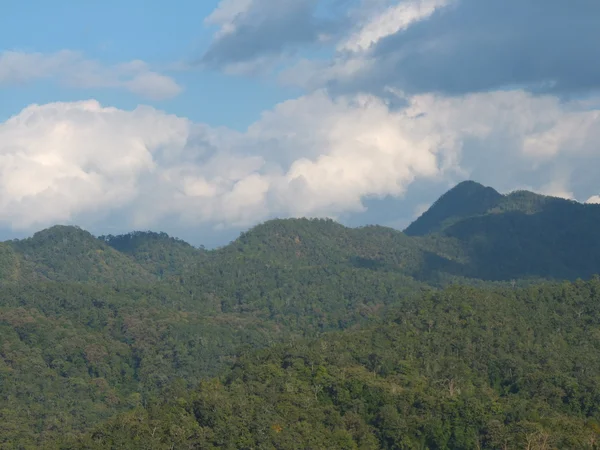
(472, 231)
(98, 331)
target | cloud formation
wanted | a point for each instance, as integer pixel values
(253, 32)
(74, 70)
(388, 21)
(456, 47)
(313, 156)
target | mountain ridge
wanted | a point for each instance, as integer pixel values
(69, 253)
(463, 200)
(470, 232)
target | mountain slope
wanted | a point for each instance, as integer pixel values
(464, 200)
(312, 274)
(158, 253)
(458, 369)
(66, 253)
(12, 266)
(518, 235)
(318, 242)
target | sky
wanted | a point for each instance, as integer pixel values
(203, 119)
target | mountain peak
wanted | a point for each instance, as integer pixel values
(69, 253)
(58, 236)
(466, 199)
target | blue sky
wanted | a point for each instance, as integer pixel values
(205, 118)
(163, 34)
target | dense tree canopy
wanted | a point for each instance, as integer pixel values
(458, 369)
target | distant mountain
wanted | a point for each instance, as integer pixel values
(312, 274)
(67, 253)
(471, 233)
(465, 200)
(518, 235)
(317, 242)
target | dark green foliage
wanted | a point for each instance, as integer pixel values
(158, 253)
(520, 235)
(12, 267)
(459, 369)
(72, 355)
(465, 200)
(65, 253)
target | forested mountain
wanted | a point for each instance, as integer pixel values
(465, 200)
(12, 267)
(128, 327)
(518, 235)
(66, 253)
(158, 253)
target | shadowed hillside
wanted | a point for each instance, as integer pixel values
(513, 236)
(465, 200)
(158, 253)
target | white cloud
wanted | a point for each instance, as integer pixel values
(19, 67)
(74, 70)
(557, 188)
(393, 19)
(313, 156)
(62, 159)
(153, 85)
(595, 200)
(225, 15)
(353, 58)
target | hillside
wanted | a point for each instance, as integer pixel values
(75, 353)
(459, 369)
(465, 200)
(519, 235)
(158, 253)
(12, 266)
(66, 253)
(311, 274)
(312, 243)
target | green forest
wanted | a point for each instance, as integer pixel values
(478, 327)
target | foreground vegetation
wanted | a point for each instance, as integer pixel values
(461, 369)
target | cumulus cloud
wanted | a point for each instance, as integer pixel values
(312, 156)
(595, 200)
(74, 70)
(62, 159)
